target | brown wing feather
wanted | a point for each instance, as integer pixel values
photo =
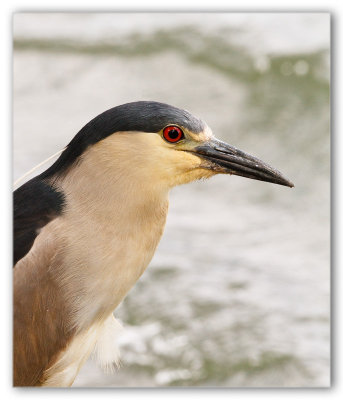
(40, 312)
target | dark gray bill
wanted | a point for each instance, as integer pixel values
(228, 159)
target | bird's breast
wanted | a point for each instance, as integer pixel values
(106, 254)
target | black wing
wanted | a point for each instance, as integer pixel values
(34, 205)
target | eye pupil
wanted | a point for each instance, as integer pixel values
(172, 134)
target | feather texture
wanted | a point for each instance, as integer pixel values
(35, 204)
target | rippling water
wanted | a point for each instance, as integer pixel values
(238, 293)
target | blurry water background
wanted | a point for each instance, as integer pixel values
(238, 293)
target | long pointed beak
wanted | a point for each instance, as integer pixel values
(225, 158)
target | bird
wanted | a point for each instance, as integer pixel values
(86, 228)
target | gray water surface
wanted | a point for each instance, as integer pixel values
(238, 292)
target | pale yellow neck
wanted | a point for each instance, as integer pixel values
(114, 219)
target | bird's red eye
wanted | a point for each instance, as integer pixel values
(172, 134)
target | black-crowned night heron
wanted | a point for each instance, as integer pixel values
(87, 227)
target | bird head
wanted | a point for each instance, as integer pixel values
(162, 144)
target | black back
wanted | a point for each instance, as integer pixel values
(34, 205)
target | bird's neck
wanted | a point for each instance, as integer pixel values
(113, 224)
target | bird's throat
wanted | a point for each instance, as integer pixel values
(110, 239)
